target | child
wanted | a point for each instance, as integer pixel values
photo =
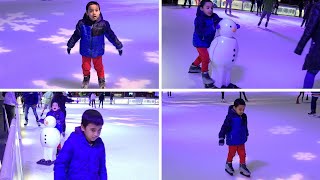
(205, 30)
(92, 29)
(83, 154)
(236, 130)
(57, 113)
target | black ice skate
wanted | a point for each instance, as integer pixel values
(244, 170)
(26, 123)
(85, 82)
(312, 113)
(259, 23)
(229, 169)
(207, 80)
(266, 25)
(232, 86)
(102, 83)
(194, 69)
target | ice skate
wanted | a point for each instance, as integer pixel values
(244, 170)
(102, 83)
(223, 100)
(207, 80)
(85, 82)
(312, 113)
(266, 25)
(259, 23)
(232, 86)
(229, 169)
(194, 69)
(26, 123)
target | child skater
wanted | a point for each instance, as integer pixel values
(205, 30)
(235, 130)
(91, 30)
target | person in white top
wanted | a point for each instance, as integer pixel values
(46, 100)
(93, 99)
(10, 103)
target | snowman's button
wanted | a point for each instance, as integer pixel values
(234, 55)
(232, 60)
(45, 135)
(234, 50)
(45, 139)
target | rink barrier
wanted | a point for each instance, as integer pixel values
(120, 101)
(12, 160)
(286, 10)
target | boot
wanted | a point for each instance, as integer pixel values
(102, 83)
(229, 169)
(85, 82)
(259, 23)
(266, 25)
(244, 170)
(26, 123)
(232, 86)
(194, 69)
(207, 80)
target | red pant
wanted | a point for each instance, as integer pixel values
(241, 152)
(202, 58)
(98, 66)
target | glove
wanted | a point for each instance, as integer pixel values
(221, 142)
(68, 50)
(120, 52)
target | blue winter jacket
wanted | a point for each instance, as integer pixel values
(92, 35)
(60, 119)
(235, 128)
(30, 98)
(78, 160)
(205, 29)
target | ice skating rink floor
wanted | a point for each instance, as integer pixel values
(266, 55)
(34, 35)
(283, 144)
(130, 135)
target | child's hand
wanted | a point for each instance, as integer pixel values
(120, 52)
(68, 50)
(221, 142)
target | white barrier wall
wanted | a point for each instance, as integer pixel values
(119, 101)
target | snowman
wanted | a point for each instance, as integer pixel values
(50, 139)
(223, 53)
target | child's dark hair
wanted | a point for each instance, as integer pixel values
(91, 116)
(238, 102)
(92, 3)
(204, 2)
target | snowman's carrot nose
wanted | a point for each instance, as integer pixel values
(46, 122)
(234, 29)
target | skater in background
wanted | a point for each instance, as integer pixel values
(46, 98)
(301, 4)
(276, 6)
(267, 9)
(60, 119)
(83, 155)
(235, 130)
(92, 29)
(93, 100)
(241, 93)
(89, 97)
(312, 60)
(307, 11)
(10, 103)
(169, 94)
(40, 99)
(111, 98)
(301, 93)
(228, 2)
(252, 5)
(30, 101)
(205, 29)
(101, 99)
(314, 99)
(185, 3)
(259, 5)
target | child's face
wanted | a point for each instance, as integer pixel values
(55, 106)
(93, 12)
(92, 131)
(207, 8)
(239, 109)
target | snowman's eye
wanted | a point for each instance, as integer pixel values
(230, 26)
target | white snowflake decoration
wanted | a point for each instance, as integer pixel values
(3, 50)
(319, 142)
(152, 57)
(125, 83)
(19, 22)
(44, 85)
(292, 177)
(304, 156)
(282, 130)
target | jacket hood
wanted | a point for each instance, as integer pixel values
(231, 110)
(88, 20)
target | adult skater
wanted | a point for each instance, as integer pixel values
(312, 60)
(185, 3)
(93, 100)
(307, 11)
(276, 6)
(301, 4)
(30, 101)
(259, 5)
(267, 9)
(235, 130)
(101, 99)
(205, 29)
(228, 2)
(252, 5)
(111, 98)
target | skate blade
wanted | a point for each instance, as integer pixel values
(231, 174)
(245, 175)
(193, 72)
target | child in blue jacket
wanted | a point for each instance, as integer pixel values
(91, 30)
(235, 130)
(205, 30)
(83, 154)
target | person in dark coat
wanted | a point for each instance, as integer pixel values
(83, 154)
(307, 11)
(267, 10)
(259, 6)
(111, 98)
(30, 101)
(252, 5)
(301, 4)
(235, 130)
(312, 60)
(101, 99)
(185, 3)
(91, 30)
(205, 29)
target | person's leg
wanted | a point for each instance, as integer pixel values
(86, 66)
(230, 5)
(264, 13)
(309, 78)
(242, 153)
(205, 59)
(34, 109)
(268, 17)
(26, 112)
(313, 104)
(231, 153)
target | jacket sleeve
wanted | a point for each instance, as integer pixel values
(112, 37)
(216, 20)
(75, 36)
(244, 117)
(62, 118)
(310, 28)
(68, 99)
(102, 169)
(62, 162)
(225, 128)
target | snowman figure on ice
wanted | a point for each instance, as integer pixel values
(50, 139)
(223, 53)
